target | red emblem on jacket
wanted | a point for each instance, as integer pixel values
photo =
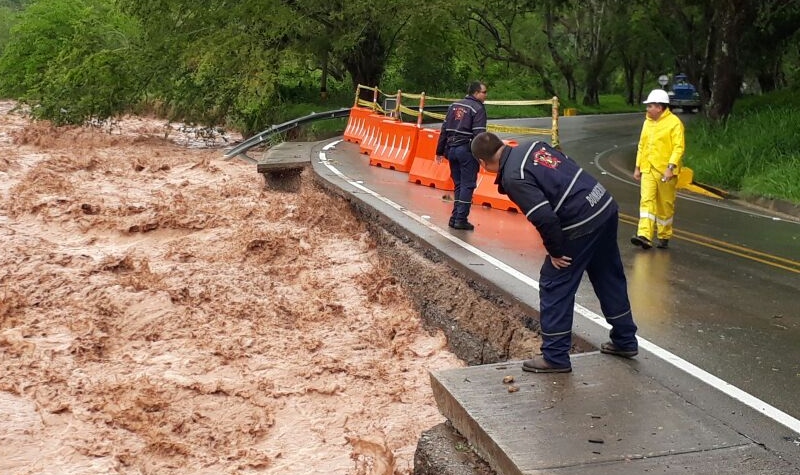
(544, 158)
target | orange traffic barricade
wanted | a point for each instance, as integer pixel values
(396, 145)
(425, 171)
(371, 133)
(356, 124)
(486, 193)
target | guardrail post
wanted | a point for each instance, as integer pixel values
(358, 92)
(421, 108)
(554, 131)
(375, 99)
(397, 106)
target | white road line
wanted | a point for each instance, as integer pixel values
(704, 376)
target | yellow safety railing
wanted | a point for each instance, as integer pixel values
(420, 111)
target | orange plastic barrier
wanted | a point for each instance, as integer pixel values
(371, 133)
(396, 145)
(425, 171)
(486, 193)
(356, 127)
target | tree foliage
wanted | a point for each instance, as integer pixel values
(71, 59)
(243, 63)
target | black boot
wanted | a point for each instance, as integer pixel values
(641, 241)
(463, 225)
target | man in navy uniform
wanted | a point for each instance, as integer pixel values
(577, 219)
(465, 119)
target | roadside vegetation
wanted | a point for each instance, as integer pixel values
(756, 152)
(250, 64)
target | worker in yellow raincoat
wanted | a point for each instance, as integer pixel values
(658, 162)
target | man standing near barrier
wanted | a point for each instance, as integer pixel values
(465, 119)
(577, 219)
(658, 161)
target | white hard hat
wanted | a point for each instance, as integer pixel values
(659, 96)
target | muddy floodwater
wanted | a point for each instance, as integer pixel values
(161, 312)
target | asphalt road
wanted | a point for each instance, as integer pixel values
(723, 297)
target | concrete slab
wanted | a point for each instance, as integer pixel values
(286, 156)
(604, 414)
(741, 460)
(282, 165)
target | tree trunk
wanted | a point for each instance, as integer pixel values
(591, 95)
(366, 61)
(769, 81)
(563, 66)
(323, 82)
(733, 15)
(547, 85)
(629, 73)
(640, 91)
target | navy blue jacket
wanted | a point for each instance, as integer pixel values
(465, 119)
(556, 195)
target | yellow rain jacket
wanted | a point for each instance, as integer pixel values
(661, 143)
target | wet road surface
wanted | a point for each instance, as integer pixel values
(723, 297)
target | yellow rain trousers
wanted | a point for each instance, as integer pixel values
(657, 205)
(661, 143)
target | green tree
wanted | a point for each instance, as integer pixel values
(768, 41)
(70, 59)
(638, 53)
(362, 34)
(509, 32)
(427, 53)
(215, 62)
(9, 10)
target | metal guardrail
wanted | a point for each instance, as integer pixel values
(258, 139)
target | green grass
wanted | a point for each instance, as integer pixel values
(609, 104)
(756, 153)
(317, 130)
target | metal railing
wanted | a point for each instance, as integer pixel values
(258, 139)
(241, 149)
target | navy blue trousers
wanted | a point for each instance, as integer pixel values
(464, 171)
(598, 255)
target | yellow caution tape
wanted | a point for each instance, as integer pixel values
(540, 102)
(494, 128)
(518, 130)
(408, 110)
(371, 105)
(413, 96)
(435, 115)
